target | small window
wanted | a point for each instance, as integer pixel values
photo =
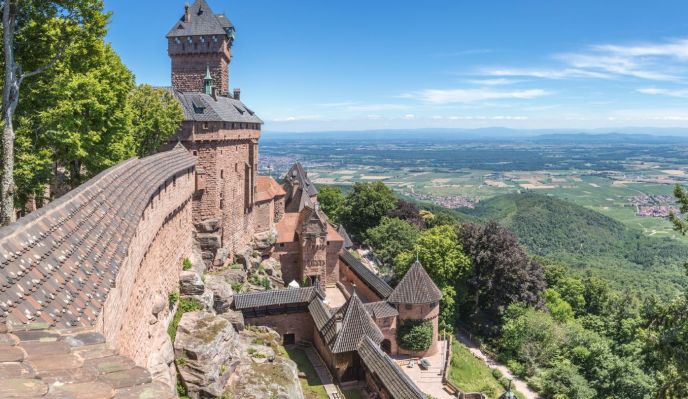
(205, 125)
(408, 307)
(195, 153)
(222, 174)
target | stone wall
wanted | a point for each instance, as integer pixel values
(190, 60)
(264, 216)
(227, 164)
(136, 310)
(334, 248)
(299, 324)
(288, 254)
(422, 312)
(346, 275)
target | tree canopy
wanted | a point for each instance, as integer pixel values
(390, 238)
(331, 200)
(365, 206)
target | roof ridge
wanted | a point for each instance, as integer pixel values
(416, 287)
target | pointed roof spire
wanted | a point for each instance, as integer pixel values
(356, 324)
(415, 288)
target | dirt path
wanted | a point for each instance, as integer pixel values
(518, 384)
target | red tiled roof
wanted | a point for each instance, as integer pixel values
(267, 189)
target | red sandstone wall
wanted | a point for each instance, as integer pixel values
(264, 216)
(299, 324)
(149, 273)
(190, 60)
(422, 312)
(363, 291)
(227, 163)
(332, 271)
(288, 255)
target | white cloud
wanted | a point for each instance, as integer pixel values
(681, 93)
(617, 65)
(409, 117)
(493, 82)
(547, 73)
(474, 95)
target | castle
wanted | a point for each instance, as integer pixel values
(97, 265)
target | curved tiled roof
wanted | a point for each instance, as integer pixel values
(415, 288)
(371, 279)
(397, 383)
(58, 264)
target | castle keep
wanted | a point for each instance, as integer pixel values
(86, 283)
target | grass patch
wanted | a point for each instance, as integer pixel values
(473, 375)
(186, 305)
(311, 385)
(352, 394)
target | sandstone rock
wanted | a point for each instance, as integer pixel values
(265, 240)
(159, 303)
(278, 379)
(221, 257)
(206, 298)
(191, 283)
(236, 318)
(204, 345)
(208, 226)
(209, 241)
(272, 267)
(223, 296)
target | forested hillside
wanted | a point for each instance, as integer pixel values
(588, 240)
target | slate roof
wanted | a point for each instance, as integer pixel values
(371, 279)
(347, 240)
(202, 107)
(381, 309)
(397, 383)
(285, 296)
(58, 264)
(416, 288)
(296, 172)
(355, 324)
(203, 22)
(320, 312)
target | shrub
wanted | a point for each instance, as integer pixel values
(186, 305)
(497, 374)
(173, 297)
(186, 264)
(415, 335)
(237, 287)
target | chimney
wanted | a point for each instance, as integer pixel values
(237, 94)
(214, 93)
(187, 13)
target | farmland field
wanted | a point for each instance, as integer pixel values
(619, 180)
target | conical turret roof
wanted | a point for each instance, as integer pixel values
(415, 288)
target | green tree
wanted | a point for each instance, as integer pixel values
(365, 206)
(558, 308)
(37, 35)
(156, 116)
(439, 252)
(390, 238)
(331, 200)
(563, 381)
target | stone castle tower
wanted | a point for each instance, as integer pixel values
(200, 41)
(218, 129)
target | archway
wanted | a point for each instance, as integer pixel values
(386, 346)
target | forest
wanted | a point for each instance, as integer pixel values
(569, 334)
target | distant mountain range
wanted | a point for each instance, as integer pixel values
(595, 136)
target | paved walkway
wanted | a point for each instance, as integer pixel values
(323, 373)
(429, 381)
(518, 384)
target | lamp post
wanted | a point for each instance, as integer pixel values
(509, 394)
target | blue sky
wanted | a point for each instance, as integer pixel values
(325, 65)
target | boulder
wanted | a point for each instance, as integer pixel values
(236, 318)
(209, 241)
(221, 257)
(265, 240)
(272, 267)
(223, 296)
(191, 283)
(204, 347)
(208, 226)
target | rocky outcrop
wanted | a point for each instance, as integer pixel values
(271, 267)
(191, 283)
(223, 296)
(205, 347)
